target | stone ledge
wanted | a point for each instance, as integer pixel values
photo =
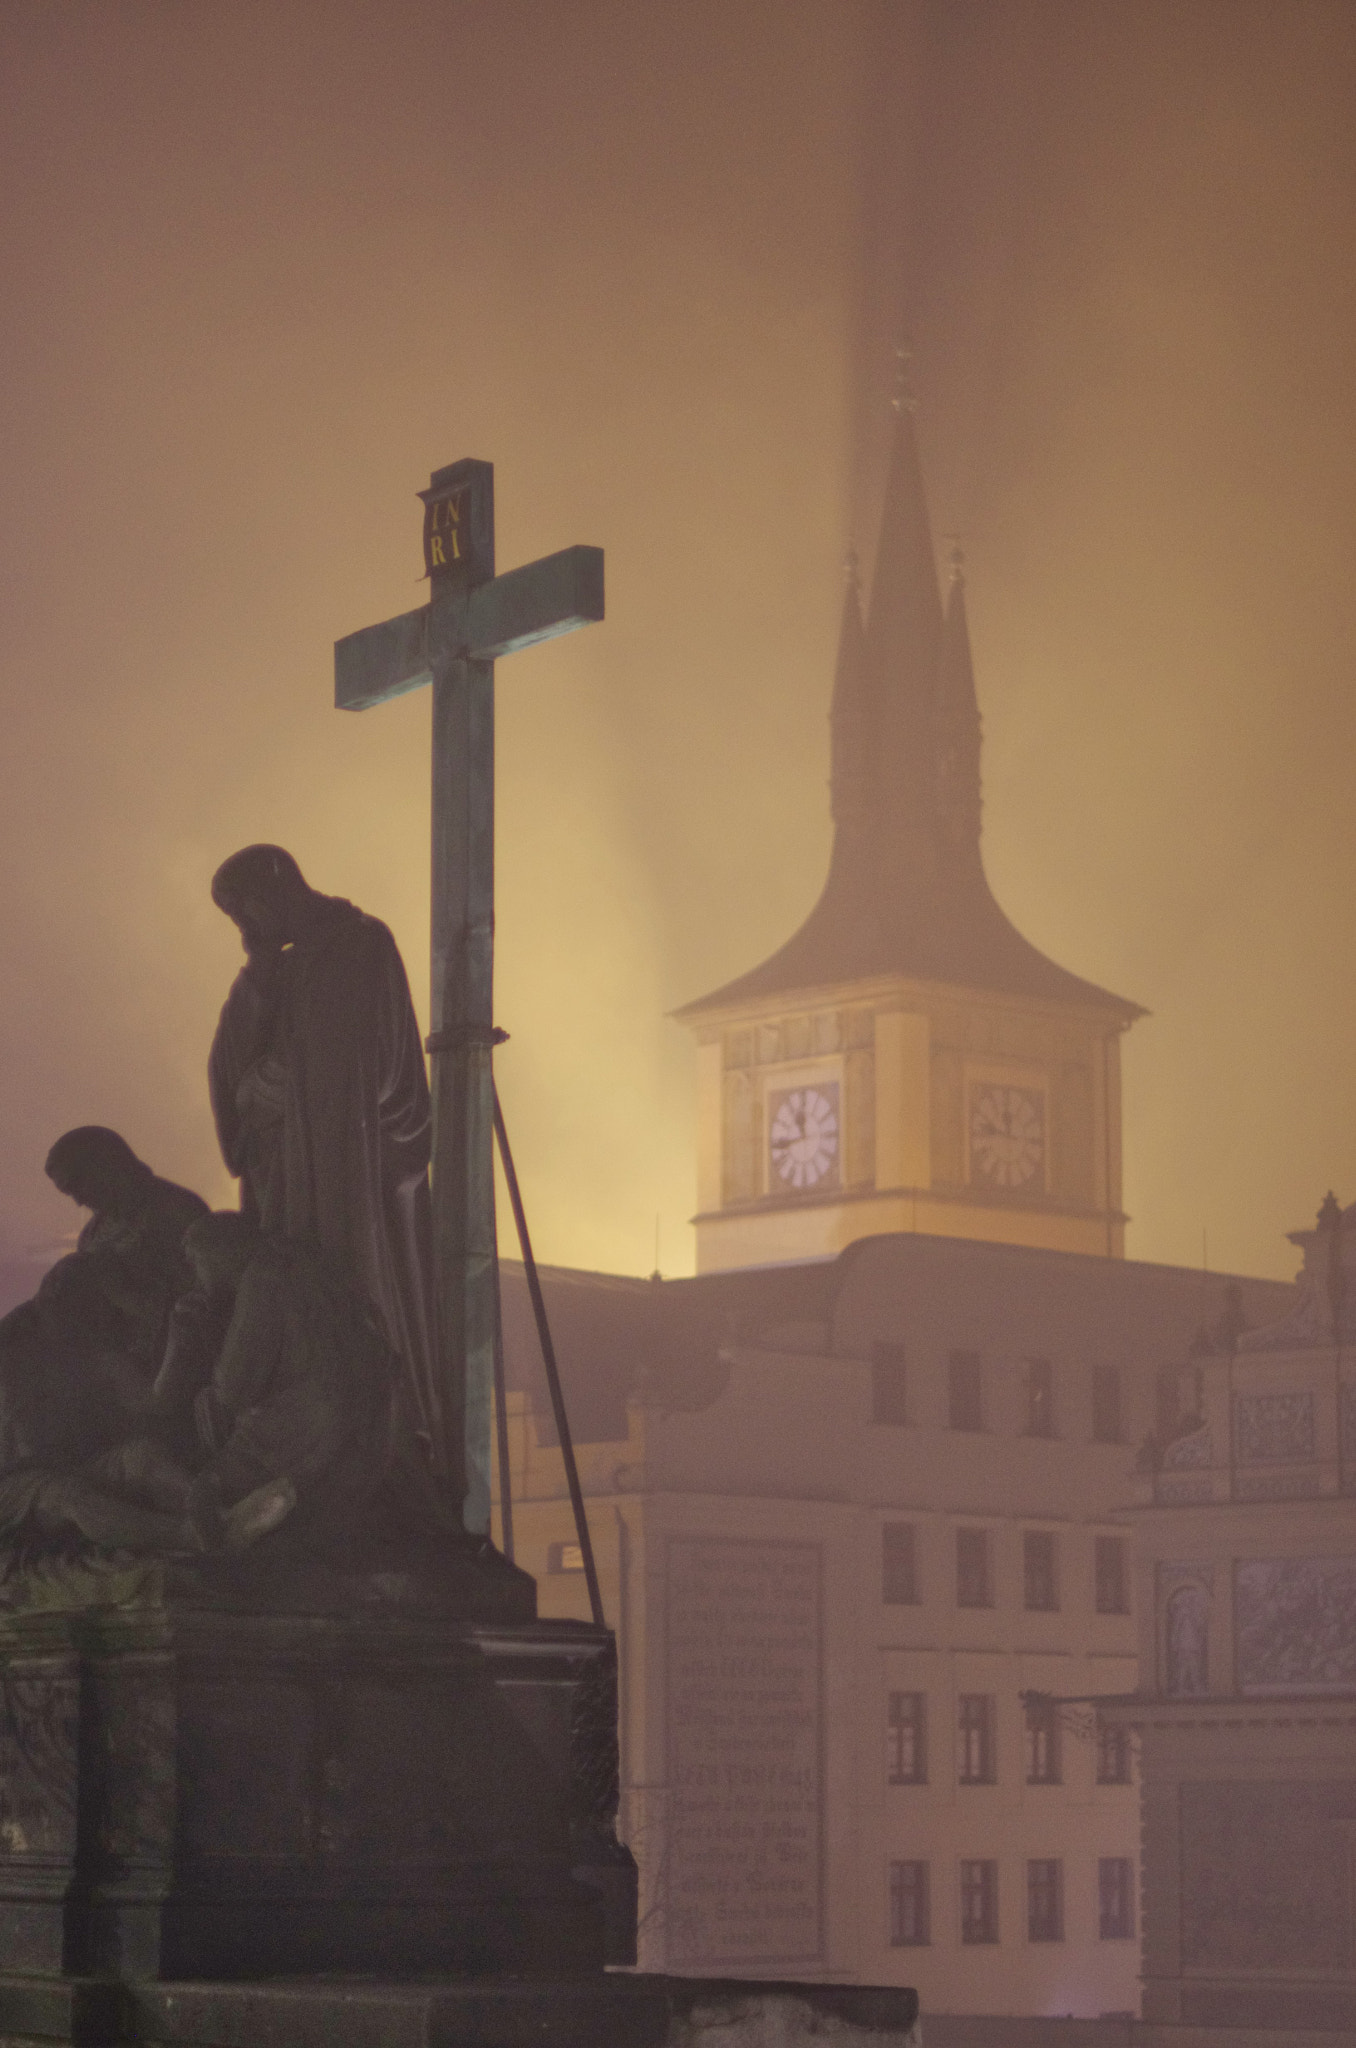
(991, 2030)
(612, 2011)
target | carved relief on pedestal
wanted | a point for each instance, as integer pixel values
(39, 1725)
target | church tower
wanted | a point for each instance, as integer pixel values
(907, 1061)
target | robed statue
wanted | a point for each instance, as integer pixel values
(321, 1097)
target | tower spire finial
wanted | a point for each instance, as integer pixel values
(955, 559)
(852, 566)
(904, 399)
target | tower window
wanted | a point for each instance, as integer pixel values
(1045, 1899)
(965, 1408)
(887, 1383)
(977, 1762)
(1042, 1742)
(974, 1579)
(1111, 1588)
(1040, 1397)
(910, 1917)
(906, 1738)
(1115, 1898)
(979, 1900)
(1039, 1576)
(898, 1565)
(1106, 1404)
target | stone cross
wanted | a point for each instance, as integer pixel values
(452, 643)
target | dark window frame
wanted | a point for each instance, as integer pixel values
(1045, 1898)
(1115, 1898)
(1040, 1580)
(976, 1739)
(1115, 1756)
(974, 1567)
(1044, 1748)
(899, 1564)
(910, 1887)
(889, 1384)
(906, 1738)
(978, 1901)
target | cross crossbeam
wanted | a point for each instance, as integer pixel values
(451, 645)
(518, 609)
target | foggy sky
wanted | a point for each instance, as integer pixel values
(263, 267)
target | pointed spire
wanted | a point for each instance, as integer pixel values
(849, 715)
(957, 732)
(906, 892)
(903, 637)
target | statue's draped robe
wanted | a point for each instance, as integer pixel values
(322, 1108)
(302, 1385)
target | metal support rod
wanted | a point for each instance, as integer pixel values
(501, 1417)
(548, 1359)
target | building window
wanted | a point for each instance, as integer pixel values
(564, 1557)
(1040, 1397)
(965, 1406)
(1112, 1581)
(906, 1738)
(1115, 1898)
(974, 1579)
(979, 1901)
(898, 1565)
(887, 1383)
(910, 1916)
(1039, 1579)
(1042, 1741)
(1106, 1404)
(1113, 1754)
(1045, 1899)
(976, 1748)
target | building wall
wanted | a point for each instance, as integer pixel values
(1246, 1572)
(776, 1426)
(788, 1465)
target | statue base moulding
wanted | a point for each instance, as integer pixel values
(191, 1789)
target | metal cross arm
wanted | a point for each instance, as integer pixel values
(516, 610)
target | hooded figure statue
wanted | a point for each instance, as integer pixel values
(321, 1097)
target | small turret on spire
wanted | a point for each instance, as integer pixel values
(850, 714)
(957, 795)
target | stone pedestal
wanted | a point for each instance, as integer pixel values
(192, 1791)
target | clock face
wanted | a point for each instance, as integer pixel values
(803, 1135)
(1007, 1136)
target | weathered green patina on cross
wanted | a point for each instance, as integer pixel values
(452, 643)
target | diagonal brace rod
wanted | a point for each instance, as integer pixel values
(548, 1359)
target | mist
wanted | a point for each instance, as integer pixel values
(262, 269)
